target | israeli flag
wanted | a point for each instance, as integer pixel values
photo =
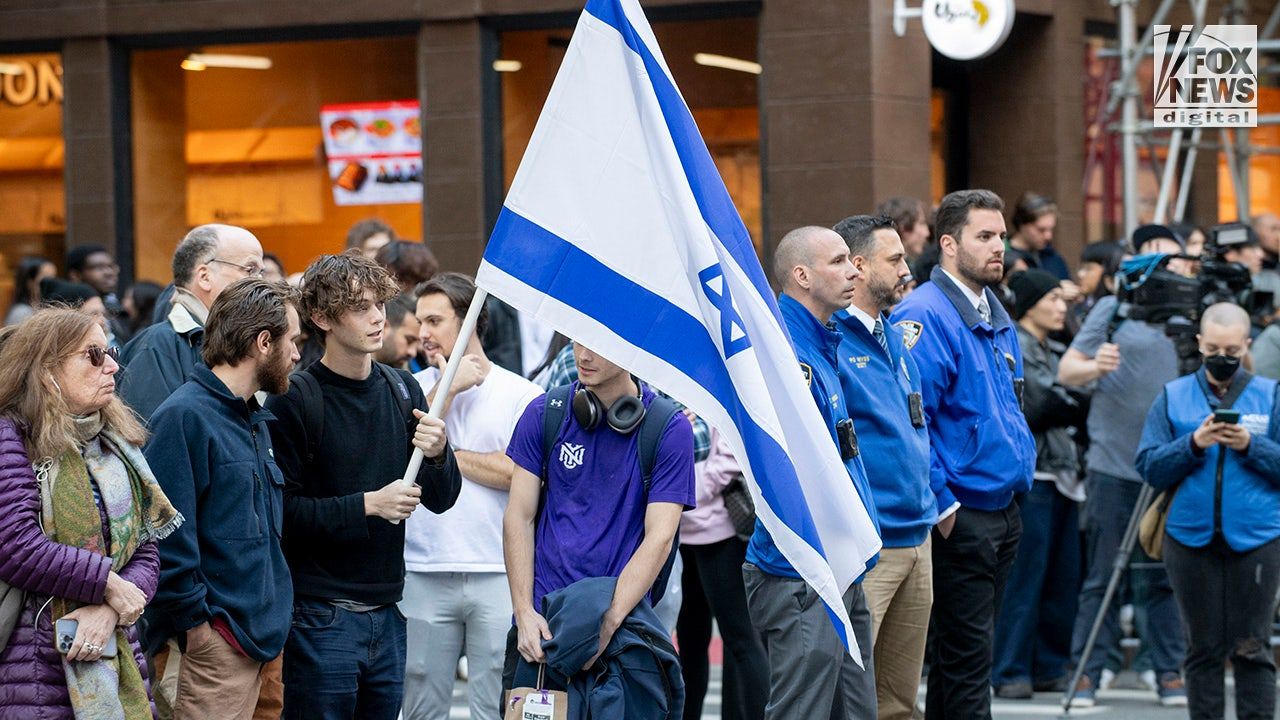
(618, 231)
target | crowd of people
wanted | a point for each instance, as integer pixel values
(206, 514)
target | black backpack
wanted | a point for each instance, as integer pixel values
(313, 405)
(656, 418)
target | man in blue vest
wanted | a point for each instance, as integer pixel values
(981, 450)
(809, 670)
(882, 388)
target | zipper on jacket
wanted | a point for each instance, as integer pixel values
(257, 478)
(1217, 491)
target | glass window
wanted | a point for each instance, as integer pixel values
(32, 198)
(237, 130)
(713, 62)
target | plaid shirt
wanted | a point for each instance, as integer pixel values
(563, 370)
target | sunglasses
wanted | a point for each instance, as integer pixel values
(98, 355)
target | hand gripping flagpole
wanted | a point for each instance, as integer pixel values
(446, 378)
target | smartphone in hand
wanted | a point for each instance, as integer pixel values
(64, 634)
(1231, 417)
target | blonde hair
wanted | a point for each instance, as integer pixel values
(29, 353)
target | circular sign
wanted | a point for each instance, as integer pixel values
(967, 29)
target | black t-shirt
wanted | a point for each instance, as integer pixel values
(335, 551)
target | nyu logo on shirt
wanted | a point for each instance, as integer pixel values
(571, 455)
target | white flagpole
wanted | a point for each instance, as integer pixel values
(446, 378)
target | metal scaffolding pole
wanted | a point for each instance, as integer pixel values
(1166, 182)
(1129, 113)
(1188, 168)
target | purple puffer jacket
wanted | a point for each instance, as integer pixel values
(32, 684)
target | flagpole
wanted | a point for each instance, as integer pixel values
(446, 378)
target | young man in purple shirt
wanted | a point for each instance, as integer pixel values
(597, 520)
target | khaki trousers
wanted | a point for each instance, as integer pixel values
(215, 681)
(899, 593)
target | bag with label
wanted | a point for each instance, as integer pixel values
(525, 703)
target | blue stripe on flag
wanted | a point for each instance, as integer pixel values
(713, 199)
(570, 275)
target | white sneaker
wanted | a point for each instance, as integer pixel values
(1107, 680)
(462, 668)
(1148, 679)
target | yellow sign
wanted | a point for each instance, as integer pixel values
(22, 82)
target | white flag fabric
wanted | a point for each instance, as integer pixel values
(619, 232)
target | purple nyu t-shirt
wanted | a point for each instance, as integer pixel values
(593, 519)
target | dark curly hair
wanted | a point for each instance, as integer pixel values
(335, 284)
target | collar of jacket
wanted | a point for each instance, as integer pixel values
(188, 314)
(999, 317)
(251, 411)
(1049, 344)
(806, 328)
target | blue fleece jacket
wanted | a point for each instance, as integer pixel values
(981, 450)
(816, 346)
(878, 389)
(212, 455)
(1218, 490)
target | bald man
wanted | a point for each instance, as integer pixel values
(810, 674)
(1212, 444)
(162, 357)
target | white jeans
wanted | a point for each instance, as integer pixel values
(447, 611)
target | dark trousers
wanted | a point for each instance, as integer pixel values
(341, 665)
(1033, 630)
(1106, 514)
(1229, 601)
(970, 569)
(712, 588)
(811, 675)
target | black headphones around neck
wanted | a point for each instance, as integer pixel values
(625, 415)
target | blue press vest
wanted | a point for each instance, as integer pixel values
(1249, 510)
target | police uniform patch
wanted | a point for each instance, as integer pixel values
(911, 331)
(808, 374)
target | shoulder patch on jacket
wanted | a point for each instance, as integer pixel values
(808, 374)
(911, 331)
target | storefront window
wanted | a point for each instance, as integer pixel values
(721, 93)
(32, 199)
(1264, 165)
(234, 134)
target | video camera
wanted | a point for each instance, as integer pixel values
(1147, 290)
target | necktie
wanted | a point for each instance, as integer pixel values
(878, 332)
(984, 310)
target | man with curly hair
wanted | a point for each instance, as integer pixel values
(343, 434)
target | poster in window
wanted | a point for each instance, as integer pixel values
(374, 151)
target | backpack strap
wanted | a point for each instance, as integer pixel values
(403, 399)
(656, 419)
(553, 414)
(312, 411)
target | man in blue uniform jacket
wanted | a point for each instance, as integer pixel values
(809, 670)
(981, 450)
(882, 388)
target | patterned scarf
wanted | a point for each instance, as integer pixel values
(110, 471)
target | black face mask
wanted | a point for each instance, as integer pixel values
(1221, 367)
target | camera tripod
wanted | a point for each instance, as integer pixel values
(1121, 563)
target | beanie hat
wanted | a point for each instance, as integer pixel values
(1028, 287)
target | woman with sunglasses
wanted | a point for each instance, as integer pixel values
(80, 514)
